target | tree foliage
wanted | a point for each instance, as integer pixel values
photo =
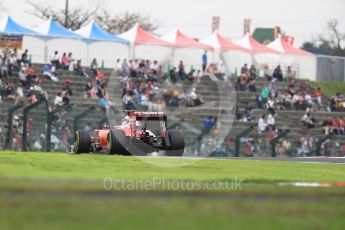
(122, 22)
(331, 42)
(78, 16)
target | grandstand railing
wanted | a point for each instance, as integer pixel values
(11, 111)
(25, 123)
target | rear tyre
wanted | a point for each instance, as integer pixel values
(176, 139)
(117, 142)
(82, 142)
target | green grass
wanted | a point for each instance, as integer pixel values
(329, 88)
(173, 213)
(91, 166)
(57, 190)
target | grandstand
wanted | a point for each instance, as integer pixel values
(216, 103)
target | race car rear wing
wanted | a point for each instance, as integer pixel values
(146, 115)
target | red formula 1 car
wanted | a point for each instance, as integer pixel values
(140, 133)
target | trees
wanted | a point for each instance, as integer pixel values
(122, 22)
(77, 16)
(80, 15)
(332, 42)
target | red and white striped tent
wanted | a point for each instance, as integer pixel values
(303, 61)
(145, 45)
(186, 48)
(262, 55)
(232, 55)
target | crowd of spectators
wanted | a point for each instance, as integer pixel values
(141, 81)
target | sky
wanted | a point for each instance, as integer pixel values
(303, 19)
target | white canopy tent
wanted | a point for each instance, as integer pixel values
(103, 46)
(30, 41)
(57, 38)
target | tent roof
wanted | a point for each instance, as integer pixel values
(54, 29)
(219, 42)
(255, 47)
(178, 39)
(8, 25)
(138, 35)
(93, 31)
(282, 46)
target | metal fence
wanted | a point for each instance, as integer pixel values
(330, 68)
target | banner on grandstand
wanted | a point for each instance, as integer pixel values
(11, 41)
(289, 40)
(215, 23)
(246, 26)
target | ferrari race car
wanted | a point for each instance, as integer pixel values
(140, 133)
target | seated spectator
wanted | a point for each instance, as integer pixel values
(244, 69)
(181, 71)
(264, 94)
(271, 103)
(22, 76)
(9, 92)
(248, 113)
(251, 86)
(48, 70)
(308, 121)
(67, 88)
(341, 126)
(327, 126)
(271, 121)
(252, 72)
(307, 144)
(70, 61)
(173, 75)
(55, 60)
(334, 126)
(80, 71)
(242, 82)
(99, 76)
(65, 98)
(317, 96)
(339, 102)
(267, 73)
(125, 67)
(31, 96)
(290, 75)
(209, 122)
(272, 87)
(303, 86)
(298, 101)
(88, 87)
(118, 68)
(65, 61)
(25, 58)
(262, 125)
(292, 90)
(58, 99)
(278, 74)
(271, 133)
(94, 66)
